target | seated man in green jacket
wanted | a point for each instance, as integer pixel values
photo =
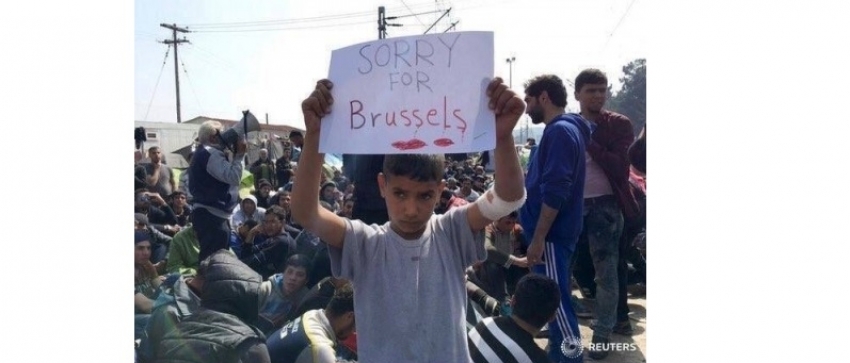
(183, 255)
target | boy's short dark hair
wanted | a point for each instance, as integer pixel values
(277, 211)
(536, 299)
(590, 76)
(552, 84)
(419, 167)
(342, 301)
(299, 261)
(250, 223)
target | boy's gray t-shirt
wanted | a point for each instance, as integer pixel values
(410, 296)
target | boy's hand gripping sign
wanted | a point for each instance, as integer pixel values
(417, 94)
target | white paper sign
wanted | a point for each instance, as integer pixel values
(417, 94)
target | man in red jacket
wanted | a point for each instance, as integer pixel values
(608, 199)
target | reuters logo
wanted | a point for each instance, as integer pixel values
(571, 347)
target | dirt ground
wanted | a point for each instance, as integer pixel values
(637, 306)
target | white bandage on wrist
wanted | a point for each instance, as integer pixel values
(492, 207)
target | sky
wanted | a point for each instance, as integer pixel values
(272, 71)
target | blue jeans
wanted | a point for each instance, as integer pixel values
(139, 325)
(603, 225)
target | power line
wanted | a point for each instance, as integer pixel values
(411, 11)
(209, 53)
(438, 20)
(200, 108)
(157, 82)
(288, 28)
(245, 24)
(618, 24)
(322, 18)
(176, 42)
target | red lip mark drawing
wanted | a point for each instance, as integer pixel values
(411, 144)
(443, 142)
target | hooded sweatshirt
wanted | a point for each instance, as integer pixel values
(556, 177)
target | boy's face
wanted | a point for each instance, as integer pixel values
(329, 193)
(410, 203)
(294, 278)
(348, 208)
(272, 226)
(143, 252)
(506, 224)
(284, 201)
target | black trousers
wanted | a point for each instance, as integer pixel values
(213, 232)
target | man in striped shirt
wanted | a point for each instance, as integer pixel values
(511, 339)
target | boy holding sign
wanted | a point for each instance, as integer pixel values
(409, 273)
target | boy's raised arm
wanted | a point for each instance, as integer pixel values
(510, 185)
(305, 191)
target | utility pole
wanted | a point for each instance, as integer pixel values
(510, 62)
(174, 41)
(382, 23)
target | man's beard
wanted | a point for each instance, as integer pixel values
(536, 115)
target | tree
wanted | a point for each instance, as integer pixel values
(631, 100)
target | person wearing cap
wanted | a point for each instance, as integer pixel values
(478, 183)
(146, 280)
(214, 177)
(247, 210)
(263, 194)
(160, 242)
(262, 169)
(328, 194)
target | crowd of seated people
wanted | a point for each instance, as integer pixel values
(289, 266)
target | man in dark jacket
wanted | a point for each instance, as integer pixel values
(224, 328)
(608, 200)
(215, 175)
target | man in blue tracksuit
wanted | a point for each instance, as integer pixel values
(552, 215)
